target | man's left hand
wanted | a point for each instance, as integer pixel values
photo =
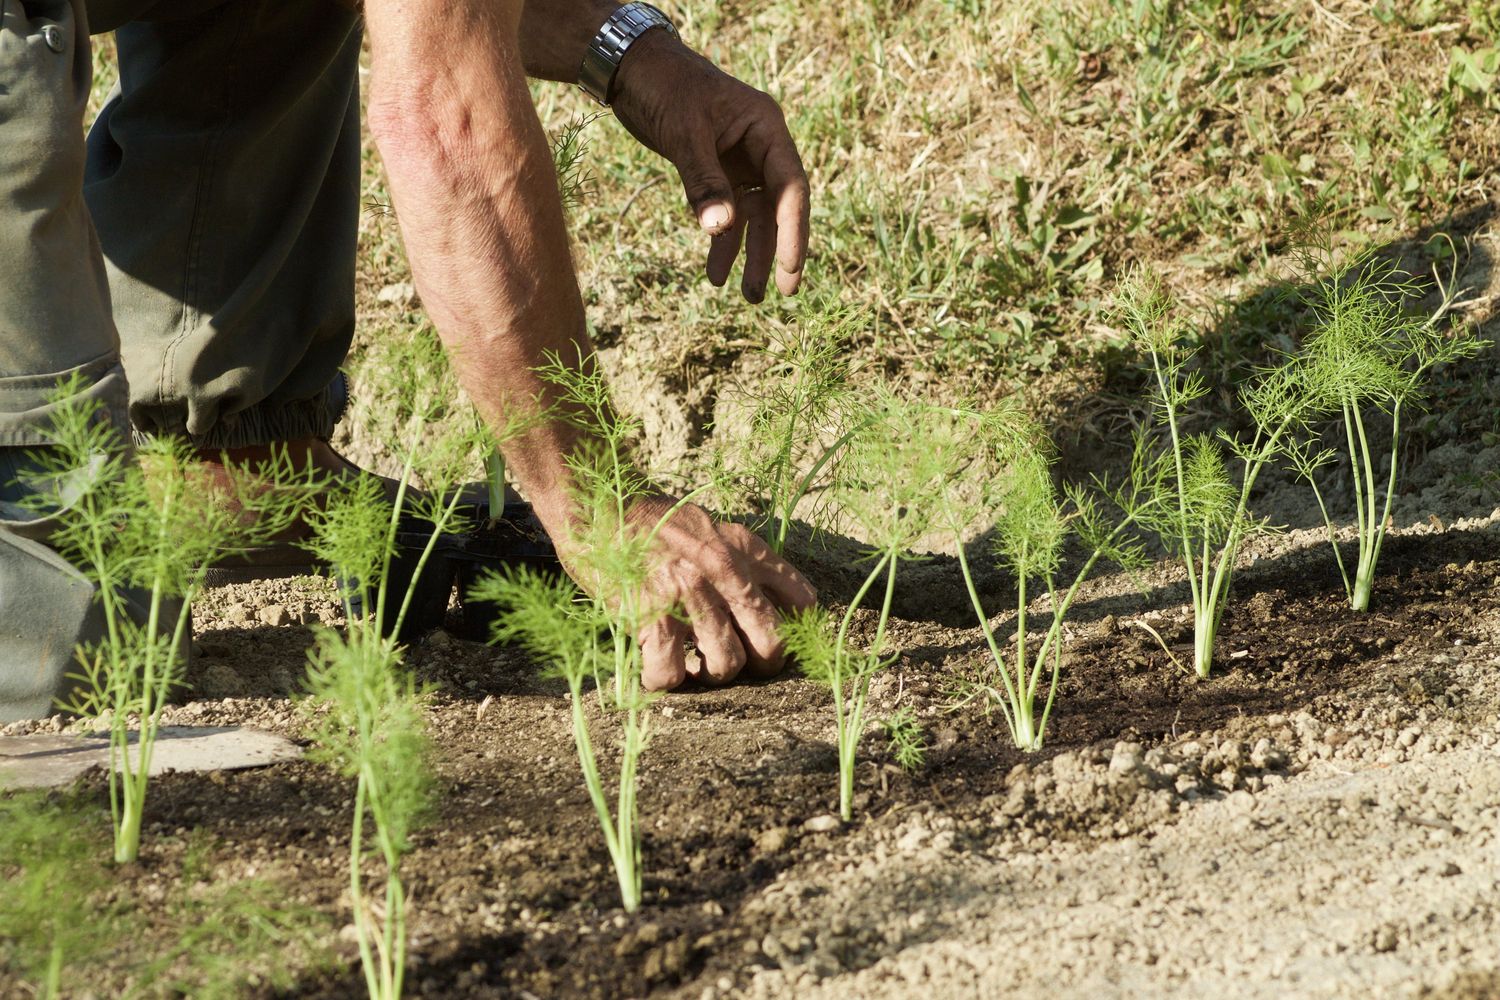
(729, 142)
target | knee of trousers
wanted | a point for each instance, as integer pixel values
(47, 611)
(49, 614)
(54, 294)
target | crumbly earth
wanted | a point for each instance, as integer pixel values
(1322, 818)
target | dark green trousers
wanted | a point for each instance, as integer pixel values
(192, 260)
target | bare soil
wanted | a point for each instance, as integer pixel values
(1318, 819)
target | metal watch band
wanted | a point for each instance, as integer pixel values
(597, 75)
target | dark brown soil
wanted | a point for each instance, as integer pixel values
(511, 886)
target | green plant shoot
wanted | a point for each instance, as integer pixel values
(596, 636)
(556, 623)
(50, 915)
(803, 415)
(905, 741)
(1202, 515)
(1031, 526)
(373, 729)
(437, 439)
(145, 527)
(369, 724)
(895, 467)
(1367, 354)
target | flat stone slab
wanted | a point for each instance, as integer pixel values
(47, 760)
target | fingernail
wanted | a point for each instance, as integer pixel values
(714, 218)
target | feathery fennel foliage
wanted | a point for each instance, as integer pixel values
(1202, 514)
(1031, 525)
(438, 440)
(1367, 354)
(369, 716)
(145, 525)
(594, 635)
(905, 741)
(805, 412)
(552, 620)
(50, 916)
(369, 723)
(898, 461)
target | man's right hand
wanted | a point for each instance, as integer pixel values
(731, 588)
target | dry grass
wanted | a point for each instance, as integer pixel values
(984, 169)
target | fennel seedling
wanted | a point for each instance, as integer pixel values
(1202, 514)
(370, 726)
(1368, 355)
(898, 461)
(145, 526)
(595, 636)
(803, 415)
(51, 918)
(374, 729)
(1031, 526)
(905, 741)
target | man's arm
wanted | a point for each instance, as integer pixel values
(473, 184)
(555, 34)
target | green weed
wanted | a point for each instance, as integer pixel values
(906, 743)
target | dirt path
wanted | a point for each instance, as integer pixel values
(1354, 880)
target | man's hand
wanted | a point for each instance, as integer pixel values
(730, 586)
(730, 144)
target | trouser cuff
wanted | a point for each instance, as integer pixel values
(27, 402)
(271, 422)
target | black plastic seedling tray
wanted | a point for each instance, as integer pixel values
(513, 540)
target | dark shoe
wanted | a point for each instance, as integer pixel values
(283, 556)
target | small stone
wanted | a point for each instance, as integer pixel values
(1127, 758)
(772, 840)
(912, 840)
(399, 293)
(220, 681)
(1266, 756)
(1449, 870)
(1384, 938)
(668, 961)
(237, 613)
(274, 615)
(822, 824)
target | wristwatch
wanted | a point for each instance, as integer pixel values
(602, 60)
